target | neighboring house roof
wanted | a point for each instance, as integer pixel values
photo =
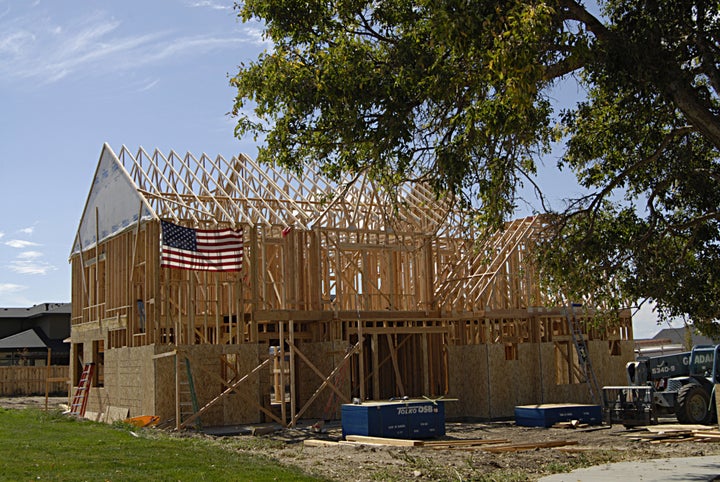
(25, 339)
(36, 310)
(677, 335)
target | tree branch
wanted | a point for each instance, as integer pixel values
(565, 66)
(615, 182)
(676, 87)
(371, 32)
(572, 10)
(694, 110)
(707, 56)
(694, 222)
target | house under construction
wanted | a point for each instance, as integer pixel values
(340, 291)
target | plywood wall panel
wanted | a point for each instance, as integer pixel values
(130, 379)
(468, 382)
(325, 356)
(164, 390)
(239, 407)
(527, 375)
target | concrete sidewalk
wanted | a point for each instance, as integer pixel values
(656, 470)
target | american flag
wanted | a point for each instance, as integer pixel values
(201, 249)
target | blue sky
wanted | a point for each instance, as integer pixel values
(74, 75)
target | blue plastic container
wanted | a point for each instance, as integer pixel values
(409, 419)
(549, 414)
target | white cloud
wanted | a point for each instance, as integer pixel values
(149, 85)
(30, 255)
(161, 51)
(27, 230)
(22, 266)
(2, 234)
(20, 243)
(34, 47)
(11, 288)
(15, 42)
(253, 32)
(211, 4)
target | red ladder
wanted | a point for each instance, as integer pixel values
(80, 399)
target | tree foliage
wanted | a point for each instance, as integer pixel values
(457, 93)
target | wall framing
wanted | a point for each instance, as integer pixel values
(346, 292)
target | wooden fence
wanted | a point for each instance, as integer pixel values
(21, 380)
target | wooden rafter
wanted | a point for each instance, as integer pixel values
(397, 274)
(220, 191)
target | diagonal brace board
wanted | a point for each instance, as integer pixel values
(224, 393)
(326, 380)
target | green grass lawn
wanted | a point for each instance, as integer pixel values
(38, 445)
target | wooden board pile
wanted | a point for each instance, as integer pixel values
(675, 433)
(488, 445)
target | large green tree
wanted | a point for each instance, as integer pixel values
(457, 93)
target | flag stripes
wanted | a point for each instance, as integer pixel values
(201, 249)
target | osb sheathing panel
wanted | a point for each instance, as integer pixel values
(512, 382)
(204, 361)
(555, 389)
(526, 370)
(325, 356)
(98, 400)
(165, 384)
(502, 383)
(206, 364)
(468, 382)
(130, 379)
(612, 368)
(264, 380)
(609, 370)
(239, 407)
(545, 358)
(489, 386)
(207, 370)
(88, 332)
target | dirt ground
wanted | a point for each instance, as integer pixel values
(33, 402)
(586, 446)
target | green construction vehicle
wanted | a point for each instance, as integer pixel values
(681, 384)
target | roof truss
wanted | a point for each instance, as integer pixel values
(217, 191)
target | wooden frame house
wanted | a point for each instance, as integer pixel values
(345, 292)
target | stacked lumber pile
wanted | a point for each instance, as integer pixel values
(675, 433)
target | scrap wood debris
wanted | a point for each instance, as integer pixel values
(673, 435)
(488, 445)
(580, 426)
(529, 446)
(462, 444)
(571, 424)
(654, 435)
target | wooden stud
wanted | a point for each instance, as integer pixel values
(348, 268)
(283, 409)
(293, 351)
